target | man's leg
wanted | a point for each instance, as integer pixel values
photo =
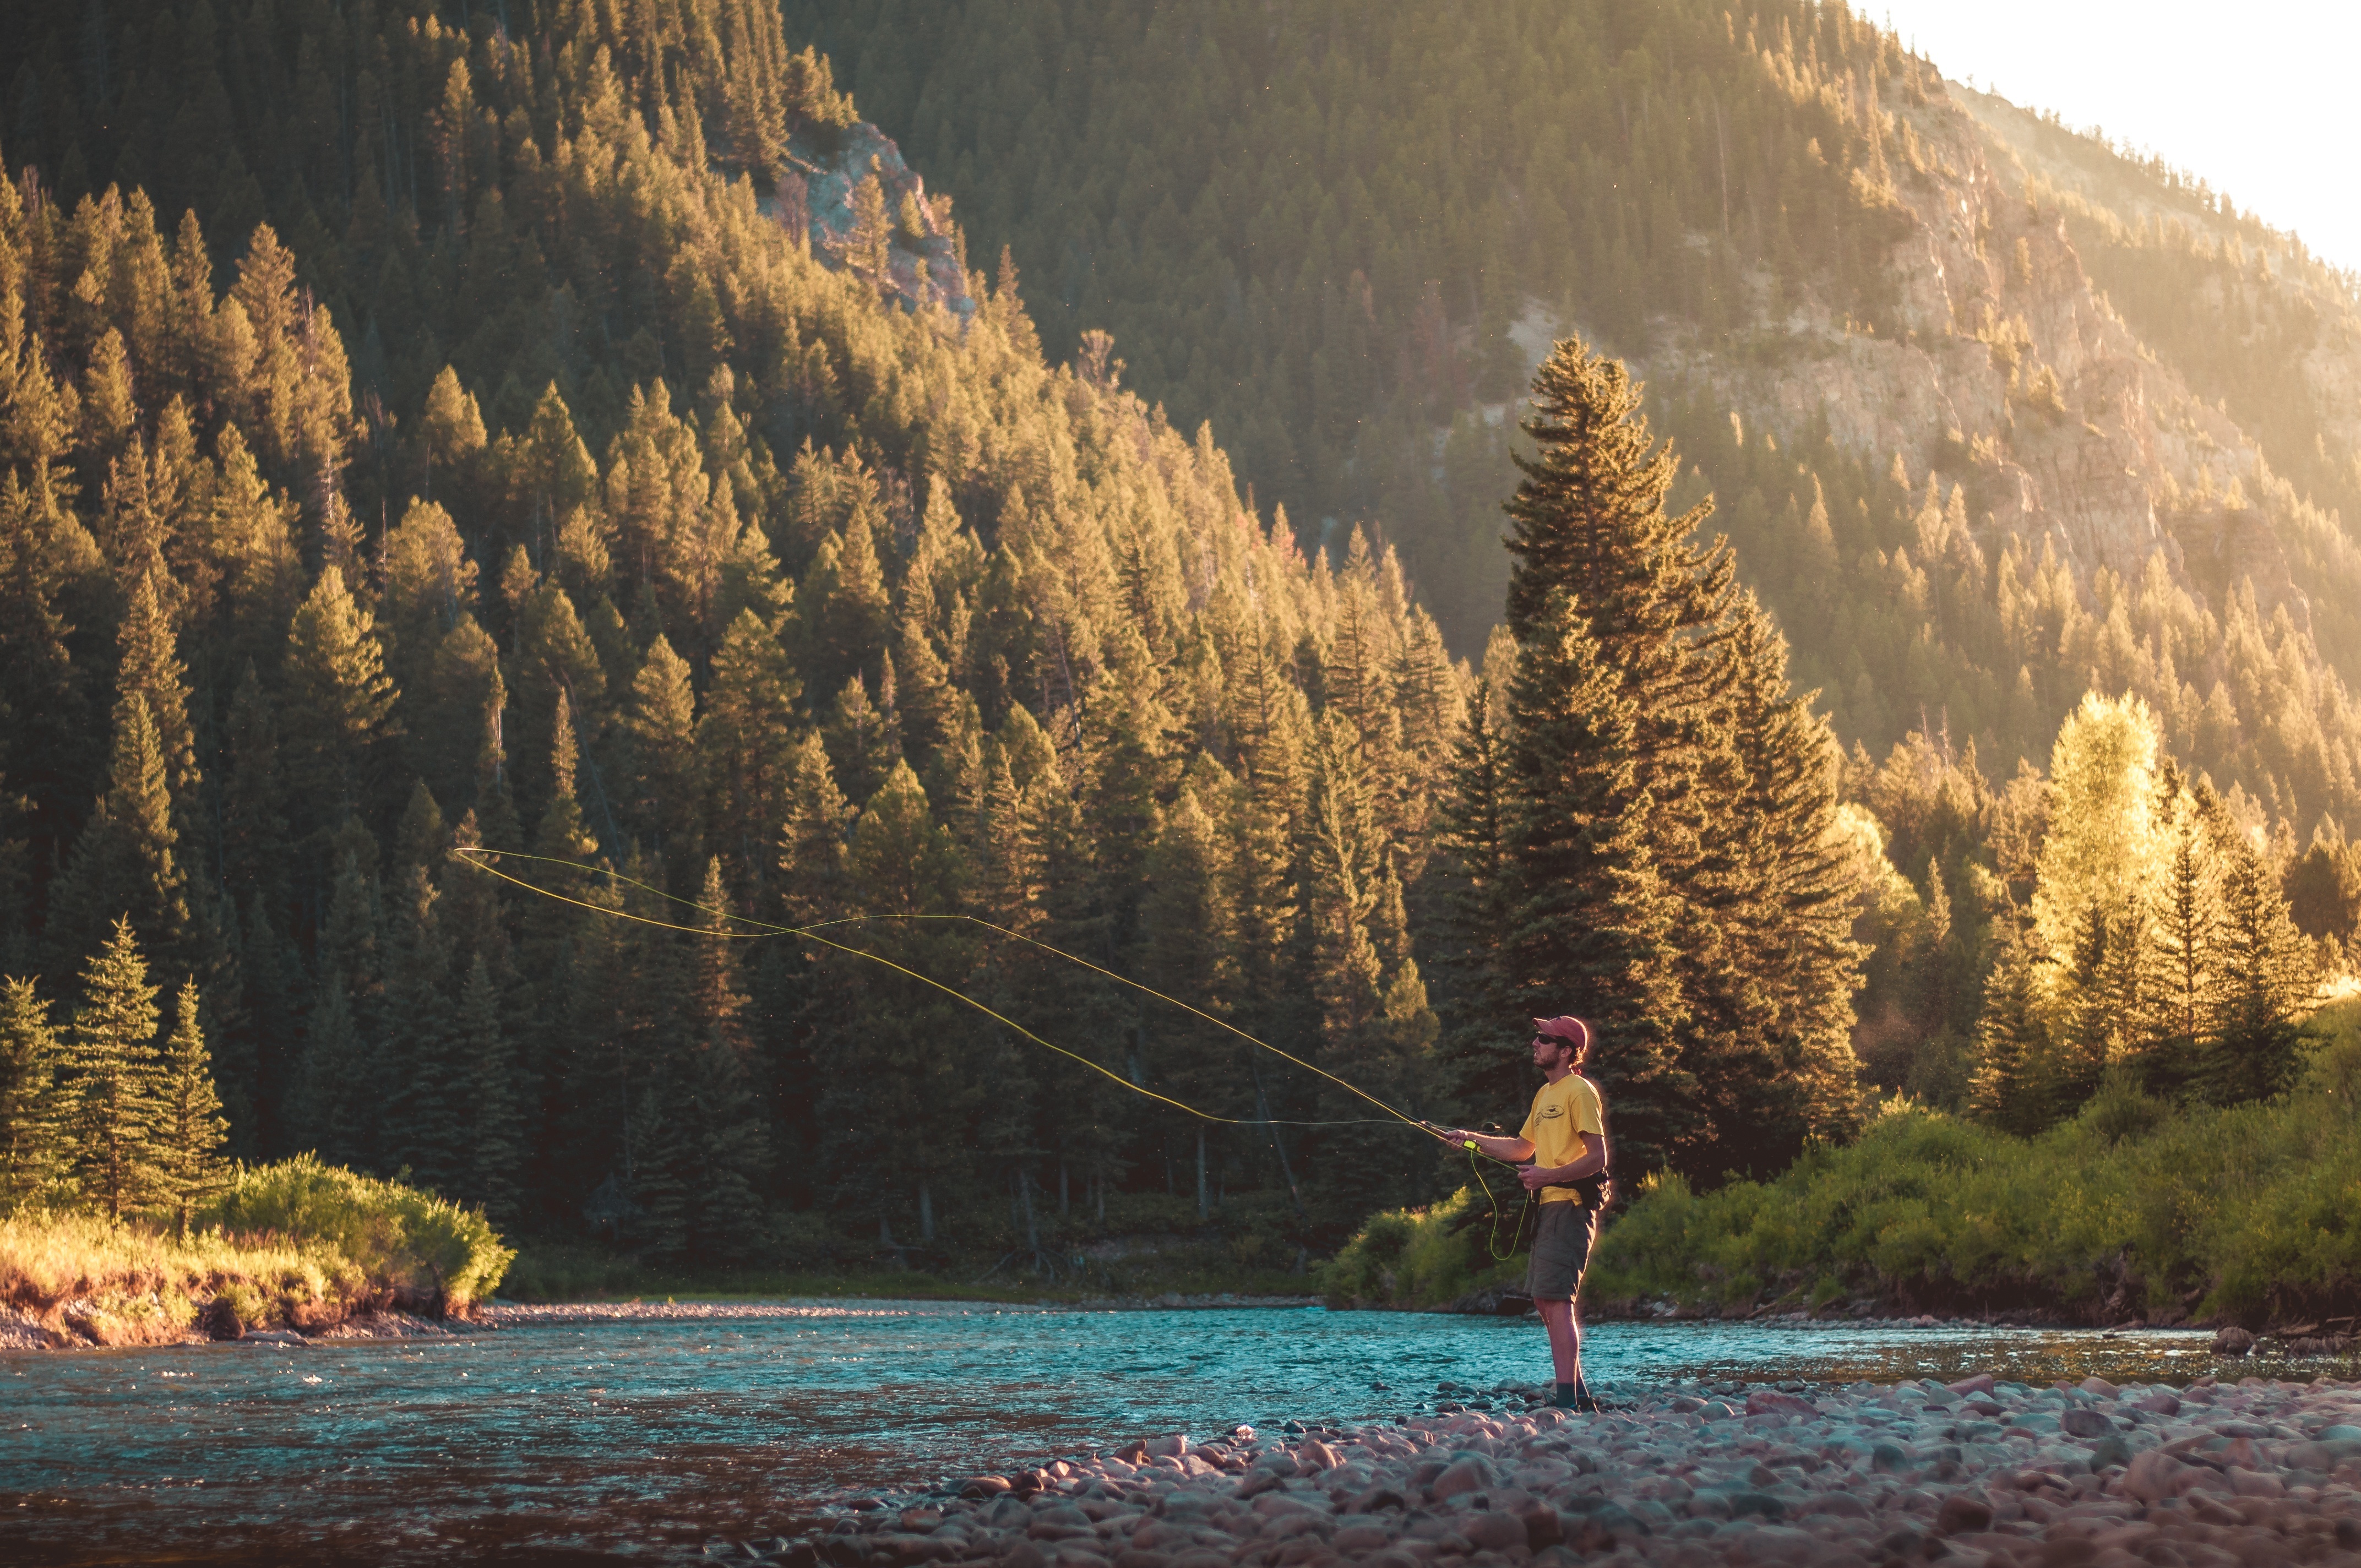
(1566, 1343)
(1561, 1248)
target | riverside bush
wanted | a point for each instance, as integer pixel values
(2132, 1208)
(1418, 1257)
(412, 1248)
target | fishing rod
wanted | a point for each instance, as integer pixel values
(482, 857)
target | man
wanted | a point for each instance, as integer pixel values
(1564, 1137)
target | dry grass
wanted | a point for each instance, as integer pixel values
(86, 1276)
(298, 1245)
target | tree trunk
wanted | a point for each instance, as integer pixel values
(1032, 1232)
(926, 1213)
(1205, 1202)
(1262, 1109)
(1065, 1206)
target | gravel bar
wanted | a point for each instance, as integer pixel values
(2212, 1475)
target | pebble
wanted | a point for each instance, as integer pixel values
(1979, 1472)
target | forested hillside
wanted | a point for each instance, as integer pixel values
(1984, 370)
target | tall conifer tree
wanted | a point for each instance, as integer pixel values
(189, 1127)
(127, 864)
(339, 704)
(33, 1110)
(114, 1079)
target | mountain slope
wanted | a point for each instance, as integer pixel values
(1340, 232)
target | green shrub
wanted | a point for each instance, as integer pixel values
(1421, 1258)
(246, 1301)
(411, 1248)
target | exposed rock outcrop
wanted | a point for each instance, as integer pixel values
(2000, 367)
(926, 259)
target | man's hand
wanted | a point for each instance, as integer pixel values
(1536, 1177)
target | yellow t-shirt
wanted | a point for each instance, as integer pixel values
(1562, 1112)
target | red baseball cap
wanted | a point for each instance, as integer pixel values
(1565, 1026)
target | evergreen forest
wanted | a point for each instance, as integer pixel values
(438, 439)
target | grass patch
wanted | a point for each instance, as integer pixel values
(299, 1246)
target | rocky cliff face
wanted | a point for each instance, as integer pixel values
(926, 259)
(2000, 367)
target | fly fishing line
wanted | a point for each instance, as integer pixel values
(482, 859)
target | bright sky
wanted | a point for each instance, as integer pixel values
(2254, 96)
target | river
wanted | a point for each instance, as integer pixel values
(644, 1439)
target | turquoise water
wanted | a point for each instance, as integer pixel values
(647, 1438)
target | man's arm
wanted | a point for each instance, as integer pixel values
(1510, 1149)
(1590, 1162)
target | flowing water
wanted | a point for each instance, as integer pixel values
(647, 1438)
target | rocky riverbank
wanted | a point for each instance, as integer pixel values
(1975, 1471)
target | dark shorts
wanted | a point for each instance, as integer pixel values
(1560, 1249)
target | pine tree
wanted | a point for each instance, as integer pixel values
(744, 741)
(817, 819)
(426, 1083)
(150, 665)
(889, 1062)
(189, 1127)
(2184, 989)
(112, 1078)
(254, 824)
(125, 864)
(1186, 950)
(559, 835)
(729, 1147)
(1374, 1027)
(1590, 920)
(339, 704)
(660, 723)
(864, 249)
(1778, 982)
(33, 1108)
(2256, 1051)
(496, 1139)
(334, 1098)
(1482, 1066)
(2006, 1088)
(1619, 752)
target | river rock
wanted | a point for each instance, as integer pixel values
(2086, 1423)
(1961, 1513)
(2232, 1340)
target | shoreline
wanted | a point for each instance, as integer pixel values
(1974, 1472)
(23, 1330)
(525, 1314)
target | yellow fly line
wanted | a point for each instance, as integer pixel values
(482, 859)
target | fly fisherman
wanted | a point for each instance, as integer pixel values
(1564, 1137)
